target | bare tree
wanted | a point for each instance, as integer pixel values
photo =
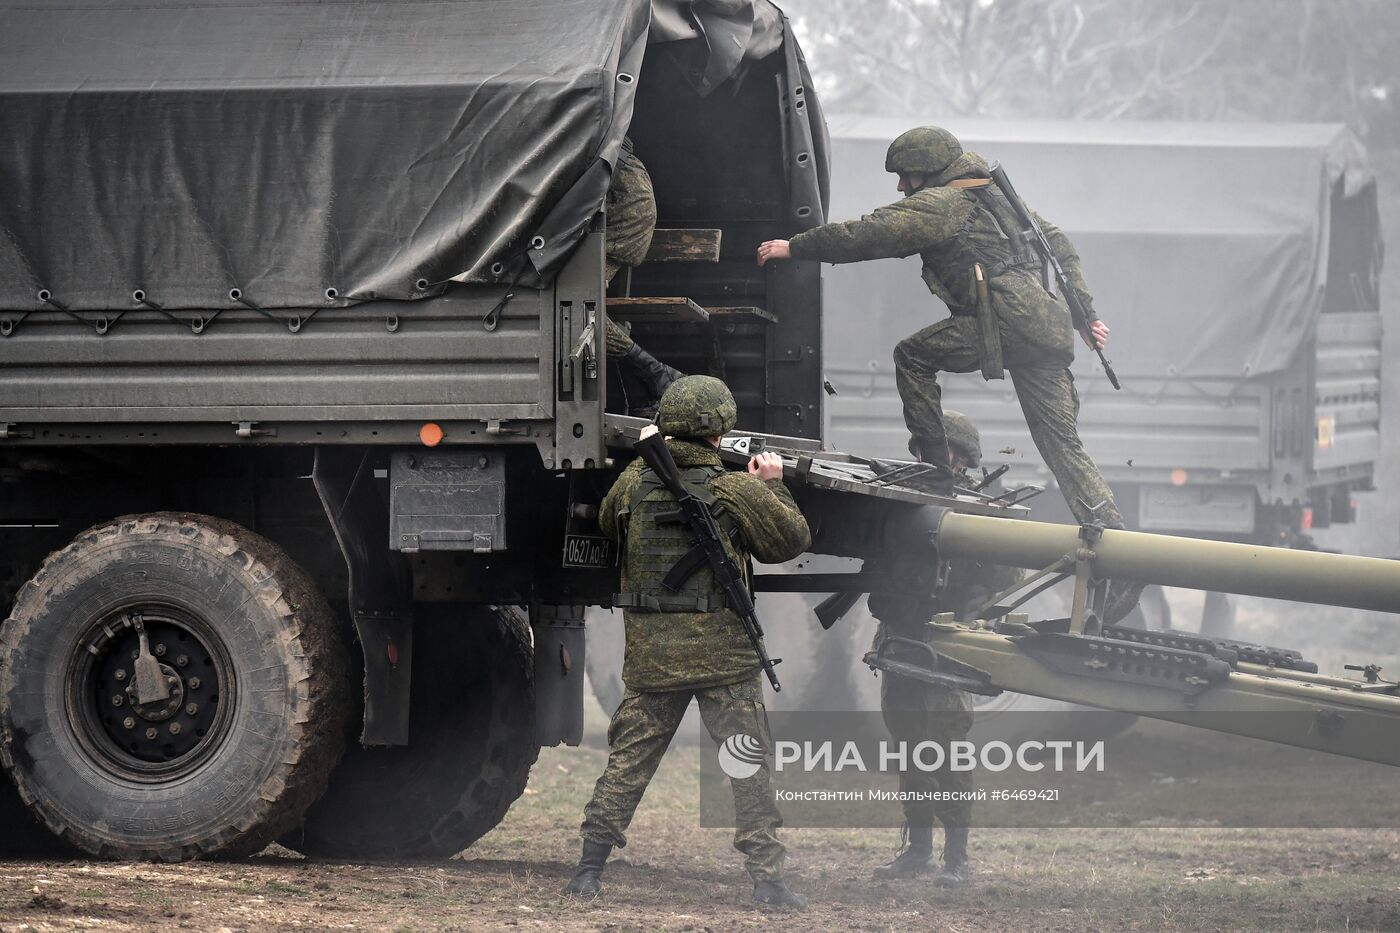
(1053, 58)
(1109, 59)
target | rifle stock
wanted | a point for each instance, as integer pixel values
(657, 456)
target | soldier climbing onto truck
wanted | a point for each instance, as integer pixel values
(1002, 311)
(686, 643)
(631, 219)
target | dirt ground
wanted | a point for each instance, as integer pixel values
(678, 876)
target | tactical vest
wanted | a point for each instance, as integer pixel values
(671, 573)
(989, 236)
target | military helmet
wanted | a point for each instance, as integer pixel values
(924, 150)
(696, 406)
(963, 436)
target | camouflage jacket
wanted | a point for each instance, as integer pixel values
(631, 213)
(677, 650)
(952, 228)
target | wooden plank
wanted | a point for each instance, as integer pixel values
(741, 312)
(657, 311)
(675, 245)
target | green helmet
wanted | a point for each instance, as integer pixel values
(963, 436)
(924, 150)
(696, 406)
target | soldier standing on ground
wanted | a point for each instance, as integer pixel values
(915, 711)
(685, 644)
(959, 223)
(631, 218)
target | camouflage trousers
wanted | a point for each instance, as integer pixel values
(916, 712)
(619, 340)
(638, 736)
(1045, 388)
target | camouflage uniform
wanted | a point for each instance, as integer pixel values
(672, 657)
(631, 211)
(915, 711)
(952, 228)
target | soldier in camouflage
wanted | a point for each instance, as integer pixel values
(915, 711)
(683, 644)
(631, 218)
(955, 220)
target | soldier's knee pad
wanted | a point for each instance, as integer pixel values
(903, 353)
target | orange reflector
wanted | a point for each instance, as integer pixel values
(1179, 477)
(430, 434)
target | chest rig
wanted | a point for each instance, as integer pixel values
(989, 237)
(666, 567)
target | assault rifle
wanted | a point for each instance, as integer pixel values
(1084, 317)
(708, 537)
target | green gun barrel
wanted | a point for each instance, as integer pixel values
(1246, 569)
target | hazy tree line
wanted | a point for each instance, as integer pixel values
(1273, 60)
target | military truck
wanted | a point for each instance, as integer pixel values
(305, 411)
(303, 367)
(1245, 317)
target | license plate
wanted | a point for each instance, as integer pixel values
(588, 551)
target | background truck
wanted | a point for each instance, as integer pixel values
(302, 376)
(1237, 266)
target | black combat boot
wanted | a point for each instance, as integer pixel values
(653, 374)
(955, 871)
(776, 893)
(588, 879)
(912, 861)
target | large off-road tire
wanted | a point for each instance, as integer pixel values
(255, 721)
(471, 746)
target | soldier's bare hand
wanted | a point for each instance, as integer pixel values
(648, 431)
(773, 249)
(1098, 333)
(766, 466)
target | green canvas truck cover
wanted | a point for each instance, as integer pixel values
(380, 149)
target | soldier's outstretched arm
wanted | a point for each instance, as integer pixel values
(766, 514)
(900, 229)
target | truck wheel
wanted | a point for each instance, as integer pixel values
(471, 746)
(248, 648)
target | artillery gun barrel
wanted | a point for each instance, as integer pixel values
(1246, 569)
